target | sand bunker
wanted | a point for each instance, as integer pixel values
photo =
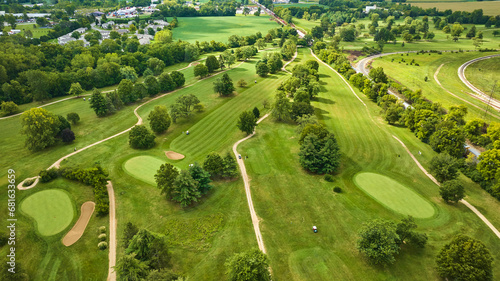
(77, 231)
(174, 155)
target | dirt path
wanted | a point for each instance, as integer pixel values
(472, 208)
(112, 232)
(289, 62)
(78, 229)
(244, 175)
(481, 98)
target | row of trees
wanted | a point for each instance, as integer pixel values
(187, 186)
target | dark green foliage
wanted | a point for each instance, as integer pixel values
(247, 122)
(73, 117)
(152, 85)
(165, 82)
(183, 106)
(67, 135)
(165, 177)
(261, 69)
(202, 177)
(98, 103)
(378, 241)
(178, 78)
(125, 91)
(378, 75)
(337, 189)
(48, 175)
(63, 124)
(162, 275)
(319, 155)
(452, 190)
(282, 107)
(256, 112)
(230, 167)
(252, 265)
(214, 164)
(128, 233)
(312, 128)
(141, 138)
(212, 63)
(139, 91)
(405, 230)
(150, 248)
(200, 70)
(185, 189)
(448, 138)
(444, 167)
(9, 107)
(329, 178)
(465, 258)
(224, 86)
(128, 268)
(159, 120)
(300, 109)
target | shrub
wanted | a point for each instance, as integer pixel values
(73, 117)
(48, 175)
(329, 178)
(337, 189)
(28, 182)
(102, 237)
(102, 245)
(102, 229)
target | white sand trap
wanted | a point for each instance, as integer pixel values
(174, 155)
(77, 231)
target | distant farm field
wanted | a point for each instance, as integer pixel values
(491, 8)
(200, 29)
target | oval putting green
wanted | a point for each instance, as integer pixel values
(52, 210)
(143, 168)
(394, 195)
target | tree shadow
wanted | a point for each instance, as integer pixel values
(321, 75)
(324, 100)
(325, 115)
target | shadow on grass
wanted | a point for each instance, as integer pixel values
(324, 100)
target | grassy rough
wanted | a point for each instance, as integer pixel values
(484, 74)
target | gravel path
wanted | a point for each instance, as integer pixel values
(244, 175)
(112, 232)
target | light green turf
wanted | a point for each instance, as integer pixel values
(394, 195)
(484, 74)
(490, 8)
(143, 167)
(52, 210)
(201, 29)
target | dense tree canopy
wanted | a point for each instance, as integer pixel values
(247, 122)
(141, 138)
(159, 120)
(251, 265)
(40, 127)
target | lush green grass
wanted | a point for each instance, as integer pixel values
(491, 8)
(203, 236)
(300, 5)
(51, 209)
(143, 168)
(394, 195)
(484, 75)
(290, 201)
(413, 77)
(35, 30)
(306, 25)
(192, 29)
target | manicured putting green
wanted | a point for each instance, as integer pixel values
(394, 195)
(143, 168)
(52, 210)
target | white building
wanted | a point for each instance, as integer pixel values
(369, 8)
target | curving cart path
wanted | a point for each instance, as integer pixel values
(479, 94)
(112, 232)
(472, 208)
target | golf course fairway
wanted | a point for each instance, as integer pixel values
(51, 209)
(143, 168)
(394, 195)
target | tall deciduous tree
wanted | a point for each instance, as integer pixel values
(214, 164)
(185, 189)
(200, 70)
(202, 177)
(378, 241)
(212, 63)
(247, 122)
(159, 120)
(224, 86)
(178, 78)
(165, 177)
(165, 82)
(230, 167)
(465, 258)
(319, 156)
(141, 138)
(152, 85)
(125, 91)
(98, 103)
(452, 190)
(40, 127)
(444, 167)
(128, 268)
(75, 89)
(282, 107)
(252, 265)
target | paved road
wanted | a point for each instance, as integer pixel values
(479, 94)
(244, 175)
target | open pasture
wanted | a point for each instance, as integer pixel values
(484, 75)
(192, 29)
(490, 8)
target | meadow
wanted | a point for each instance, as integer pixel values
(490, 8)
(413, 77)
(35, 29)
(192, 29)
(290, 201)
(485, 74)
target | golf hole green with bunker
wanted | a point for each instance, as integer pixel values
(51, 209)
(143, 167)
(394, 195)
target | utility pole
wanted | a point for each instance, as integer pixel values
(489, 100)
